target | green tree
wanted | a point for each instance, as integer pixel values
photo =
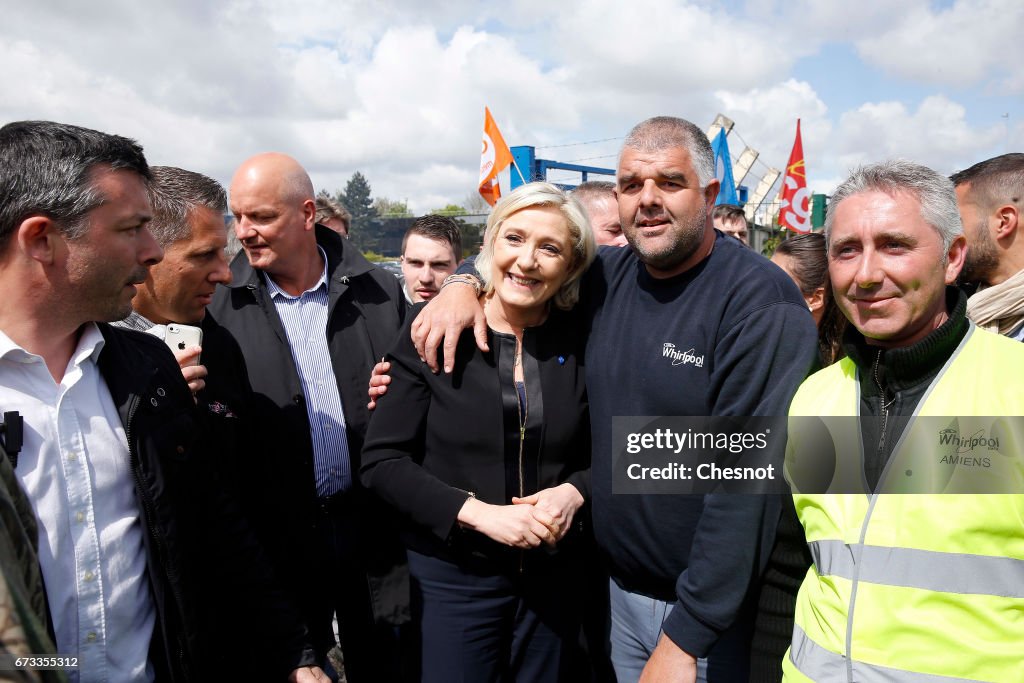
(450, 210)
(771, 243)
(472, 235)
(776, 234)
(390, 207)
(357, 198)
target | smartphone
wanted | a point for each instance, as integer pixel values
(180, 337)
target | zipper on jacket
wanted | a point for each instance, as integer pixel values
(522, 438)
(147, 504)
(524, 413)
(883, 405)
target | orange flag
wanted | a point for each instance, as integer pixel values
(494, 158)
(795, 207)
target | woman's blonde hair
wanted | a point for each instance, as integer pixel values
(536, 195)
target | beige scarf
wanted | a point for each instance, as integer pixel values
(999, 308)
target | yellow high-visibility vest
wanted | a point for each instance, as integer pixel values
(914, 587)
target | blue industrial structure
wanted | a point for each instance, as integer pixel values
(532, 168)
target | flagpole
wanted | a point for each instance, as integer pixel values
(516, 166)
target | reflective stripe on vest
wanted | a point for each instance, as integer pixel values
(819, 664)
(925, 569)
(950, 567)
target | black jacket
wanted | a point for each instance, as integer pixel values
(228, 398)
(893, 381)
(201, 556)
(366, 309)
(436, 439)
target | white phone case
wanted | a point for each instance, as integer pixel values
(180, 337)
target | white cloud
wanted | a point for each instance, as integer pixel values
(353, 28)
(420, 102)
(397, 89)
(766, 120)
(812, 22)
(413, 106)
(191, 58)
(935, 134)
(971, 42)
(52, 85)
(671, 46)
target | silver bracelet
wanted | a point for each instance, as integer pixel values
(464, 278)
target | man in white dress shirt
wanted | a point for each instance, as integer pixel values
(112, 459)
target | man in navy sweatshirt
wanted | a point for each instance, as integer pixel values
(684, 568)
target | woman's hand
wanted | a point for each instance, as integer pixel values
(519, 526)
(558, 503)
(308, 674)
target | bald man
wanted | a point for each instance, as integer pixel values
(311, 316)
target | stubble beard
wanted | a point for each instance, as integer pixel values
(93, 295)
(688, 238)
(115, 308)
(982, 258)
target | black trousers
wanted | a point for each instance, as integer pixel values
(478, 626)
(372, 652)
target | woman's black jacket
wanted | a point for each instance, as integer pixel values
(434, 440)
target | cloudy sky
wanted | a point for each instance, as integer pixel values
(396, 89)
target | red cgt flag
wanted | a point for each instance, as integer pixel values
(795, 207)
(494, 158)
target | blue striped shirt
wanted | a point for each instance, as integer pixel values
(304, 319)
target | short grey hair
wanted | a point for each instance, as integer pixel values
(175, 193)
(664, 132)
(46, 168)
(933, 191)
(581, 236)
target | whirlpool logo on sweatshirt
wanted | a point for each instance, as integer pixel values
(962, 444)
(669, 350)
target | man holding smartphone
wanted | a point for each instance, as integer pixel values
(188, 224)
(137, 542)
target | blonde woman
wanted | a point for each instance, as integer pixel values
(490, 463)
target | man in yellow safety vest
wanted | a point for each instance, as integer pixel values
(929, 586)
